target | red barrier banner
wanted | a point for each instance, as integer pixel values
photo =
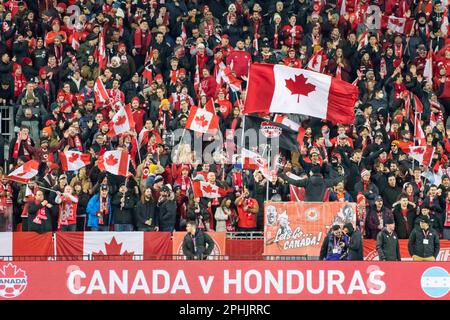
(371, 253)
(218, 237)
(298, 228)
(26, 244)
(224, 280)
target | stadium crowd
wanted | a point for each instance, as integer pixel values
(162, 58)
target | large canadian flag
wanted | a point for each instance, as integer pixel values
(202, 120)
(25, 172)
(122, 121)
(398, 25)
(115, 162)
(422, 154)
(281, 89)
(74, 160)
(207, 190)
(100, 93)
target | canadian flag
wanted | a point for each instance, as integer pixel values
(74, 160)
(100, 92)
(296, 193)
(196, 76)
(252, 161)
(363, 39)
(75, 43)
(115, 162)
(398, 25)
(25, 172)
(281, 89)
(315, 62)
(226, 75)
(418, 131)
(122, 121)
(286, 121)
(422, 154)
(25, 244)
(183, 34)
(207, 190)
(202, 120)
(148, 74)
(102, 59)
(428, 70)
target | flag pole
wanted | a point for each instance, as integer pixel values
(139, 150)
(268, 167)
(48, 189)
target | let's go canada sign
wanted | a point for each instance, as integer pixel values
(224, 280)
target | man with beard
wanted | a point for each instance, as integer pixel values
(247, 208)
(335, 245)
(167, 209)
(376, 218)
(147, 219)
(387, 242)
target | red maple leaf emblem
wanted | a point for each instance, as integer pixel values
(112, 252)
(21, 174)
(299, 86)
(73, 157)
(208, 189)
(11, 271)
(111, 160)
(120, 120)
(201, 121)
(396, 22)
(419, 150)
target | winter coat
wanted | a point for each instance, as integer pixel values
(326, 251)
(145, 211)
(203, 246)
(126, 214)
(167, 212)
(315, 186)
(355, 246)
(372, 221)
(93, 207)
(387, 246)
(416, 245)
(46, 225)
(401, 226)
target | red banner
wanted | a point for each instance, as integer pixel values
(218, 237)
(298, 228)
(371, 254)
(223, 280)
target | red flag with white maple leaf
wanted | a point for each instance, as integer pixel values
(422, 154)
(282, 89)
(25, 172)
(100, 93)
(202, 120)
(74, 160)
(207, 190)
(122, 121)
(102, 58)
(115, 162)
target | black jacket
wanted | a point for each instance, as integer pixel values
(167, 213)
(203, 247)
(372, 221)
(402, 227)
(355, 246)
(315, 186)
(124, 215)
(387, 246)
(45, 226)
(416, 245)
(144, 212)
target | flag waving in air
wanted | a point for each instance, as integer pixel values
(122, 121)
(281, 89)
(207, 190)
(115, 162)
(73, 160)
(423, 154)
(25, 172)
(202, 120)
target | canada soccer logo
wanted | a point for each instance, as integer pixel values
(13, 281)
(312, 214)
(269, 130)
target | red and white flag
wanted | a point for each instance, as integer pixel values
(25, 172)
(279, 118)
(196, 76)
(281, 89)
(122, 121)
(418, 131)
(202, 120)
(75, 43)
(74, 160)
(206, 190)
(226, 75)
(28, 192)
(115, 162)
(148, 74)
(422, 154)
(315, 62)
(102, 59)
(100, 92)
(253, 161)
(183, 34)
(428, 70)
(398, 25)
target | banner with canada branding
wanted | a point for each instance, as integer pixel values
(223, 280)
(299, 228)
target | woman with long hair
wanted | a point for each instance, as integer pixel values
(226, 217)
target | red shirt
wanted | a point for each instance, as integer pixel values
(246, 218)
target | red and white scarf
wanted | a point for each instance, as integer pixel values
(142, 40)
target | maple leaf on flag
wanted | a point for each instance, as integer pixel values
(111, 160)
(113, 252)
(201, 121)
(208, 189)
(21, 174)
(73, 157)
(419, 150)
(299, 86)
(120, 120)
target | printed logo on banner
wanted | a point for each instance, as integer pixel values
(312, 214)
(435, 282)
(13, 281)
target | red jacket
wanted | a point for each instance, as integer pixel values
(209, 85)
(287, 37)
(239, 62)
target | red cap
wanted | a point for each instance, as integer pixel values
(135, 99)
(50, 122)
(225, 36)
(185, 168)
(16, 66)
(26, 60)
(61, 94)
(56, 21)
(121, 45)
(42, 71)
(61, 5)
(158, 76)
(182, 71)
(103, 123)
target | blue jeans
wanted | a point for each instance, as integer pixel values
(123, 227)
(100, 228)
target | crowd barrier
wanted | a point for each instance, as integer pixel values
(94, 246)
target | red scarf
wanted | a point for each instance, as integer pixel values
(209, 28)
(45, 85)
(173, 76)
(59, 54)
(365, 185)
(17, 148)
(142, 40)
(40, 215)
(398, 51)
(447, 213)
(67, 212)
(237, 179)
(103, 211)
(275, 37)
(19, 84)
